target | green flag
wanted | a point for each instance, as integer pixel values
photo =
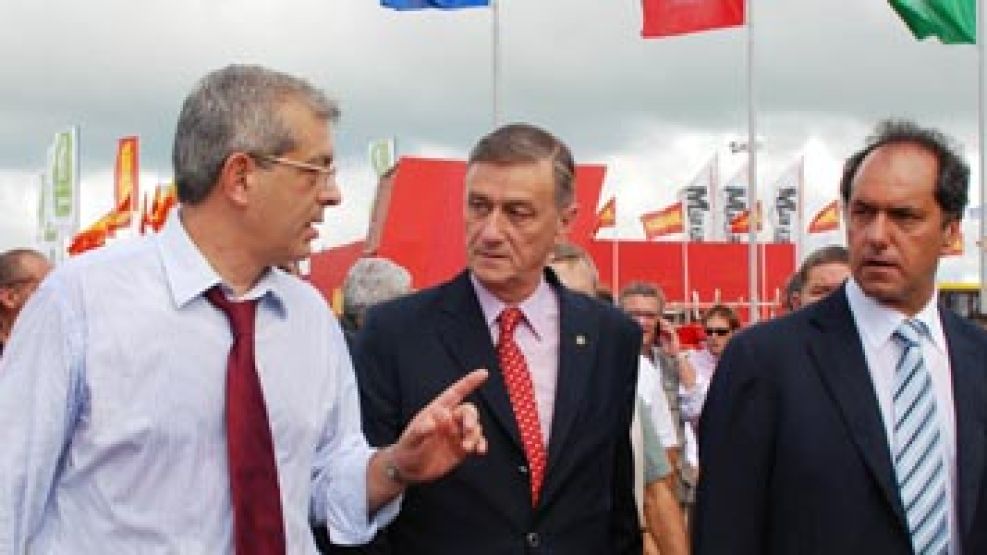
(381, 155)
(953, 21)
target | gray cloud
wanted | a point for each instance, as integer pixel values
(825, 70)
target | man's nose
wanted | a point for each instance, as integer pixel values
(878, 229)
(492, 228)
(330, 194)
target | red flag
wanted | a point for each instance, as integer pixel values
(165, 197)
(665, 18)
(607, 216)
(125, 179)
(826, 219)
(93, 236)
(741, 223)
(664, 222)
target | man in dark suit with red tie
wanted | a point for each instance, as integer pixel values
(557, 408)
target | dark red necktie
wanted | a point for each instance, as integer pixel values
(258, 525)
(521, 391)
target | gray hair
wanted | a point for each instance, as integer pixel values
(521, 143)
(372, 281)
(236, 109)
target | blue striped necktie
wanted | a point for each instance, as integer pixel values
(919, 461)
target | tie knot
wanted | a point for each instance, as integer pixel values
(239, 313)
(911, 331)
(509, 319)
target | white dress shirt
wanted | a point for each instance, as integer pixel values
(112, 395)
(876, 325)
(652, 396)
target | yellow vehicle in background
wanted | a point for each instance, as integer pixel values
(961, 297)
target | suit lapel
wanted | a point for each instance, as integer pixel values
(464, 333)
(839, 358)
(969, 391)
(578, 336)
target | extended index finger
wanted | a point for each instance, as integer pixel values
(455, 393)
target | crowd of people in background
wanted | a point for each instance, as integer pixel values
(188, 392)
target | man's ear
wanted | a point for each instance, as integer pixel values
(8, 298)
(567, 216)
(236, 177)
(950, 236)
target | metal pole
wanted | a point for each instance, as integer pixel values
(752, 235)
(982, 243)
(495, 59)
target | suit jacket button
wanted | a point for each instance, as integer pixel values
(532, 539)
(522, 469)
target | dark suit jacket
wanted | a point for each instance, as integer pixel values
(411, 349)
(793, 452)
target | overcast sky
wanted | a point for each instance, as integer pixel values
(653, 110)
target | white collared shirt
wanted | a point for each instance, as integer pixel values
(876, 325)
(537, 337)
(112, 396)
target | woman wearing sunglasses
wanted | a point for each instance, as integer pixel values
(720, 322)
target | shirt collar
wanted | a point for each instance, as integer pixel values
(877, 323)
(189, 274)
(539, 309)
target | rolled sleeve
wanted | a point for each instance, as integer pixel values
(340, 474)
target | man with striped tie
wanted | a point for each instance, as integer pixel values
(857, 425)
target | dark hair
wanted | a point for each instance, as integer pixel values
(518, 143)
(792, 289)
(723, 311)
(952, 183)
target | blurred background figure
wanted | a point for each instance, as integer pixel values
(575, 268)
(661, 518)
(720, 323)
(371, 281)
(21, 271)
(823, 272)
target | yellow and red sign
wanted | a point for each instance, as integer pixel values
(125, 177)
(741, 223)
(827, 219)
(664, 222)
(607, 216)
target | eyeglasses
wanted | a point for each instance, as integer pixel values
(722, 332)
(325, 173)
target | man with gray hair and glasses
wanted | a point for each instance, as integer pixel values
(180, 393)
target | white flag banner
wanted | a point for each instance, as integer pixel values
(784, 205)
(696, 197)
(733, 196)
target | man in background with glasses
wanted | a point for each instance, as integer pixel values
(21, 270)
(181, 393)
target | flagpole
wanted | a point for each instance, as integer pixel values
(685, 268)
(752, 239)
(495, 59)
(982, 244)
(800, 212)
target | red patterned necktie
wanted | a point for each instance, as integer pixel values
(258, 527)
(522, 394)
